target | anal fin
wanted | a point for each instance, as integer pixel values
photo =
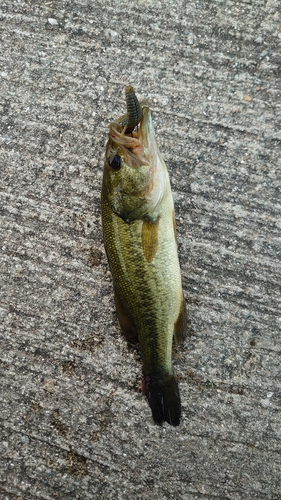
(125, 320)
(180, 326)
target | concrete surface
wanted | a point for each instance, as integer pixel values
(74, 422)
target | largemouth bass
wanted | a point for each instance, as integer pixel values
(139, 233)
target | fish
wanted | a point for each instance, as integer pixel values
(139, 233)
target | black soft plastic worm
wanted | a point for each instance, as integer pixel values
(134, 111)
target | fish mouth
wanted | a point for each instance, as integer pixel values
(138, 146)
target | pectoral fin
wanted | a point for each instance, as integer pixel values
(125, 320)
(150, 238)
(180, 325)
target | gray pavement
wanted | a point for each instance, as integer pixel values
(74, 423)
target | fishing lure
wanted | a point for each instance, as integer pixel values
(134, 111)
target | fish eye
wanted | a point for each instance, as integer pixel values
(115, 162)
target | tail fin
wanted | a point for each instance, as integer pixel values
(164, 399)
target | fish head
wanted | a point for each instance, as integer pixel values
(135, 176)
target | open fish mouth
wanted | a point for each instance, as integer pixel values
(139, 147)
(130, 133)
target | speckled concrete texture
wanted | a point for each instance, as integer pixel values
(74, 423)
